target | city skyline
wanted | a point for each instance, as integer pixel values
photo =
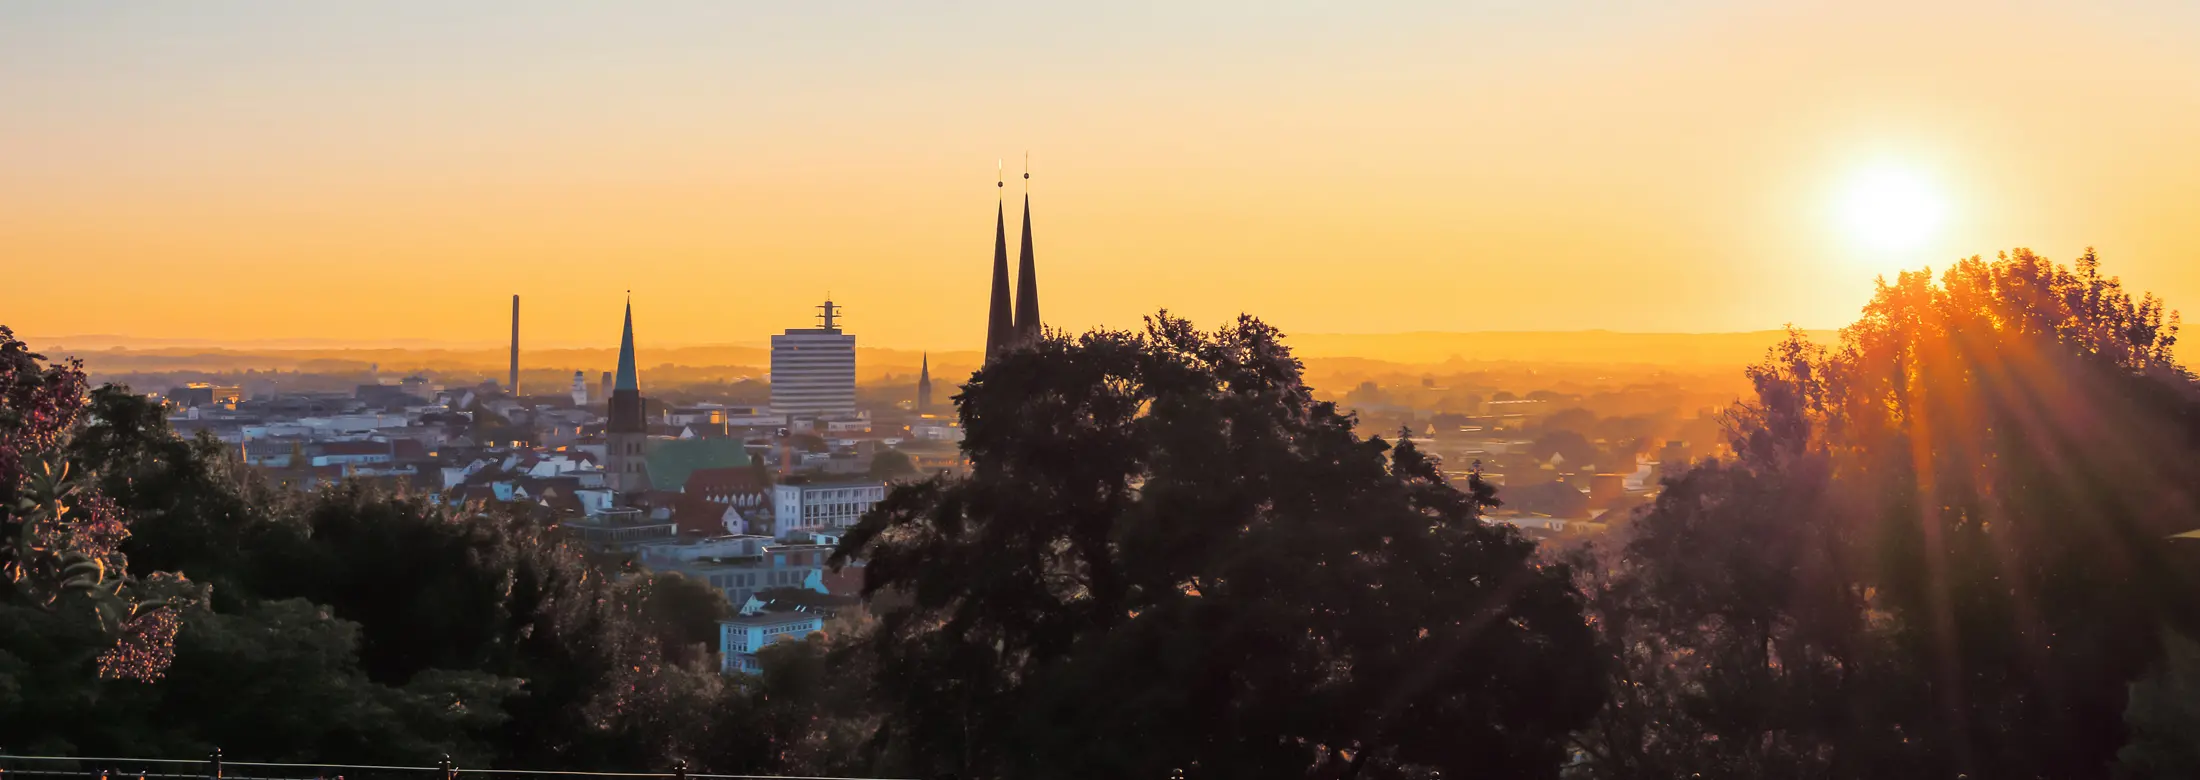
(1540, 389)
(378, 175)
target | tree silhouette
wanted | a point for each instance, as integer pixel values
(1938, 550)
(892, 464)
(1168, 556)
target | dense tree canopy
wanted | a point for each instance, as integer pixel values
(347, 625)
(1169, 557)
(1939, 549)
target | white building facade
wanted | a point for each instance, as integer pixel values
(805, 508)
(740, 637)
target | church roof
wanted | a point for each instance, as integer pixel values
(672, 460)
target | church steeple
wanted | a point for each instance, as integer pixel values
(1000, 327)
(626, 391)
(1027, 275)
(626, 434)
(628, 377)
(924, 384)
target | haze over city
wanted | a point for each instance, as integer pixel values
(685, 390)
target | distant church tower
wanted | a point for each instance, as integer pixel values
(627, 434)
(1000, 324)
(1008, 328)
(924, 385)
(580, 389)
(1027, 277)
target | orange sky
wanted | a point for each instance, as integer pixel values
(397, 170)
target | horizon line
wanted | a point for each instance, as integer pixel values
(109, 342)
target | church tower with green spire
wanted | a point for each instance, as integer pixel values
(627, 435)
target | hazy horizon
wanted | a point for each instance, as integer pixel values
(105, 354)
(1542, 389)
(394, 170)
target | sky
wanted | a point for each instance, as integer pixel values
(396, 170)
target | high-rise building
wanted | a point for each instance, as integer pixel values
(605, 392)
(627, 434)
(814, 369)
(1012, 321)
(924, 385)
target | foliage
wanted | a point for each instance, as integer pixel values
(807, 713)
(438, 590)
(1168, 556)
(681, 613)
(60, 538)
(357, 625)
(193, 507)
(892, 465)
(2164, 717)
(1939, 548)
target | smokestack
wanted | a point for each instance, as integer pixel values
(515, 347)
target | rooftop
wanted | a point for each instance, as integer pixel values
(770, 619)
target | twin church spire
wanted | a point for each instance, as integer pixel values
(1010, 327)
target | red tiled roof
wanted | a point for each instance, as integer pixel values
(693, 515)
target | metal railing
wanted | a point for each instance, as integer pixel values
(215, 767)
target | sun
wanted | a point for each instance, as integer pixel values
(1892, 209)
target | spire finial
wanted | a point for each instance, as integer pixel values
(1000, 175)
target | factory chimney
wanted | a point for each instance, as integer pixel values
(514, 383)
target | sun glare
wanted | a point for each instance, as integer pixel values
(1892, 209)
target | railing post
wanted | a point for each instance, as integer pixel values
(214, 764)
